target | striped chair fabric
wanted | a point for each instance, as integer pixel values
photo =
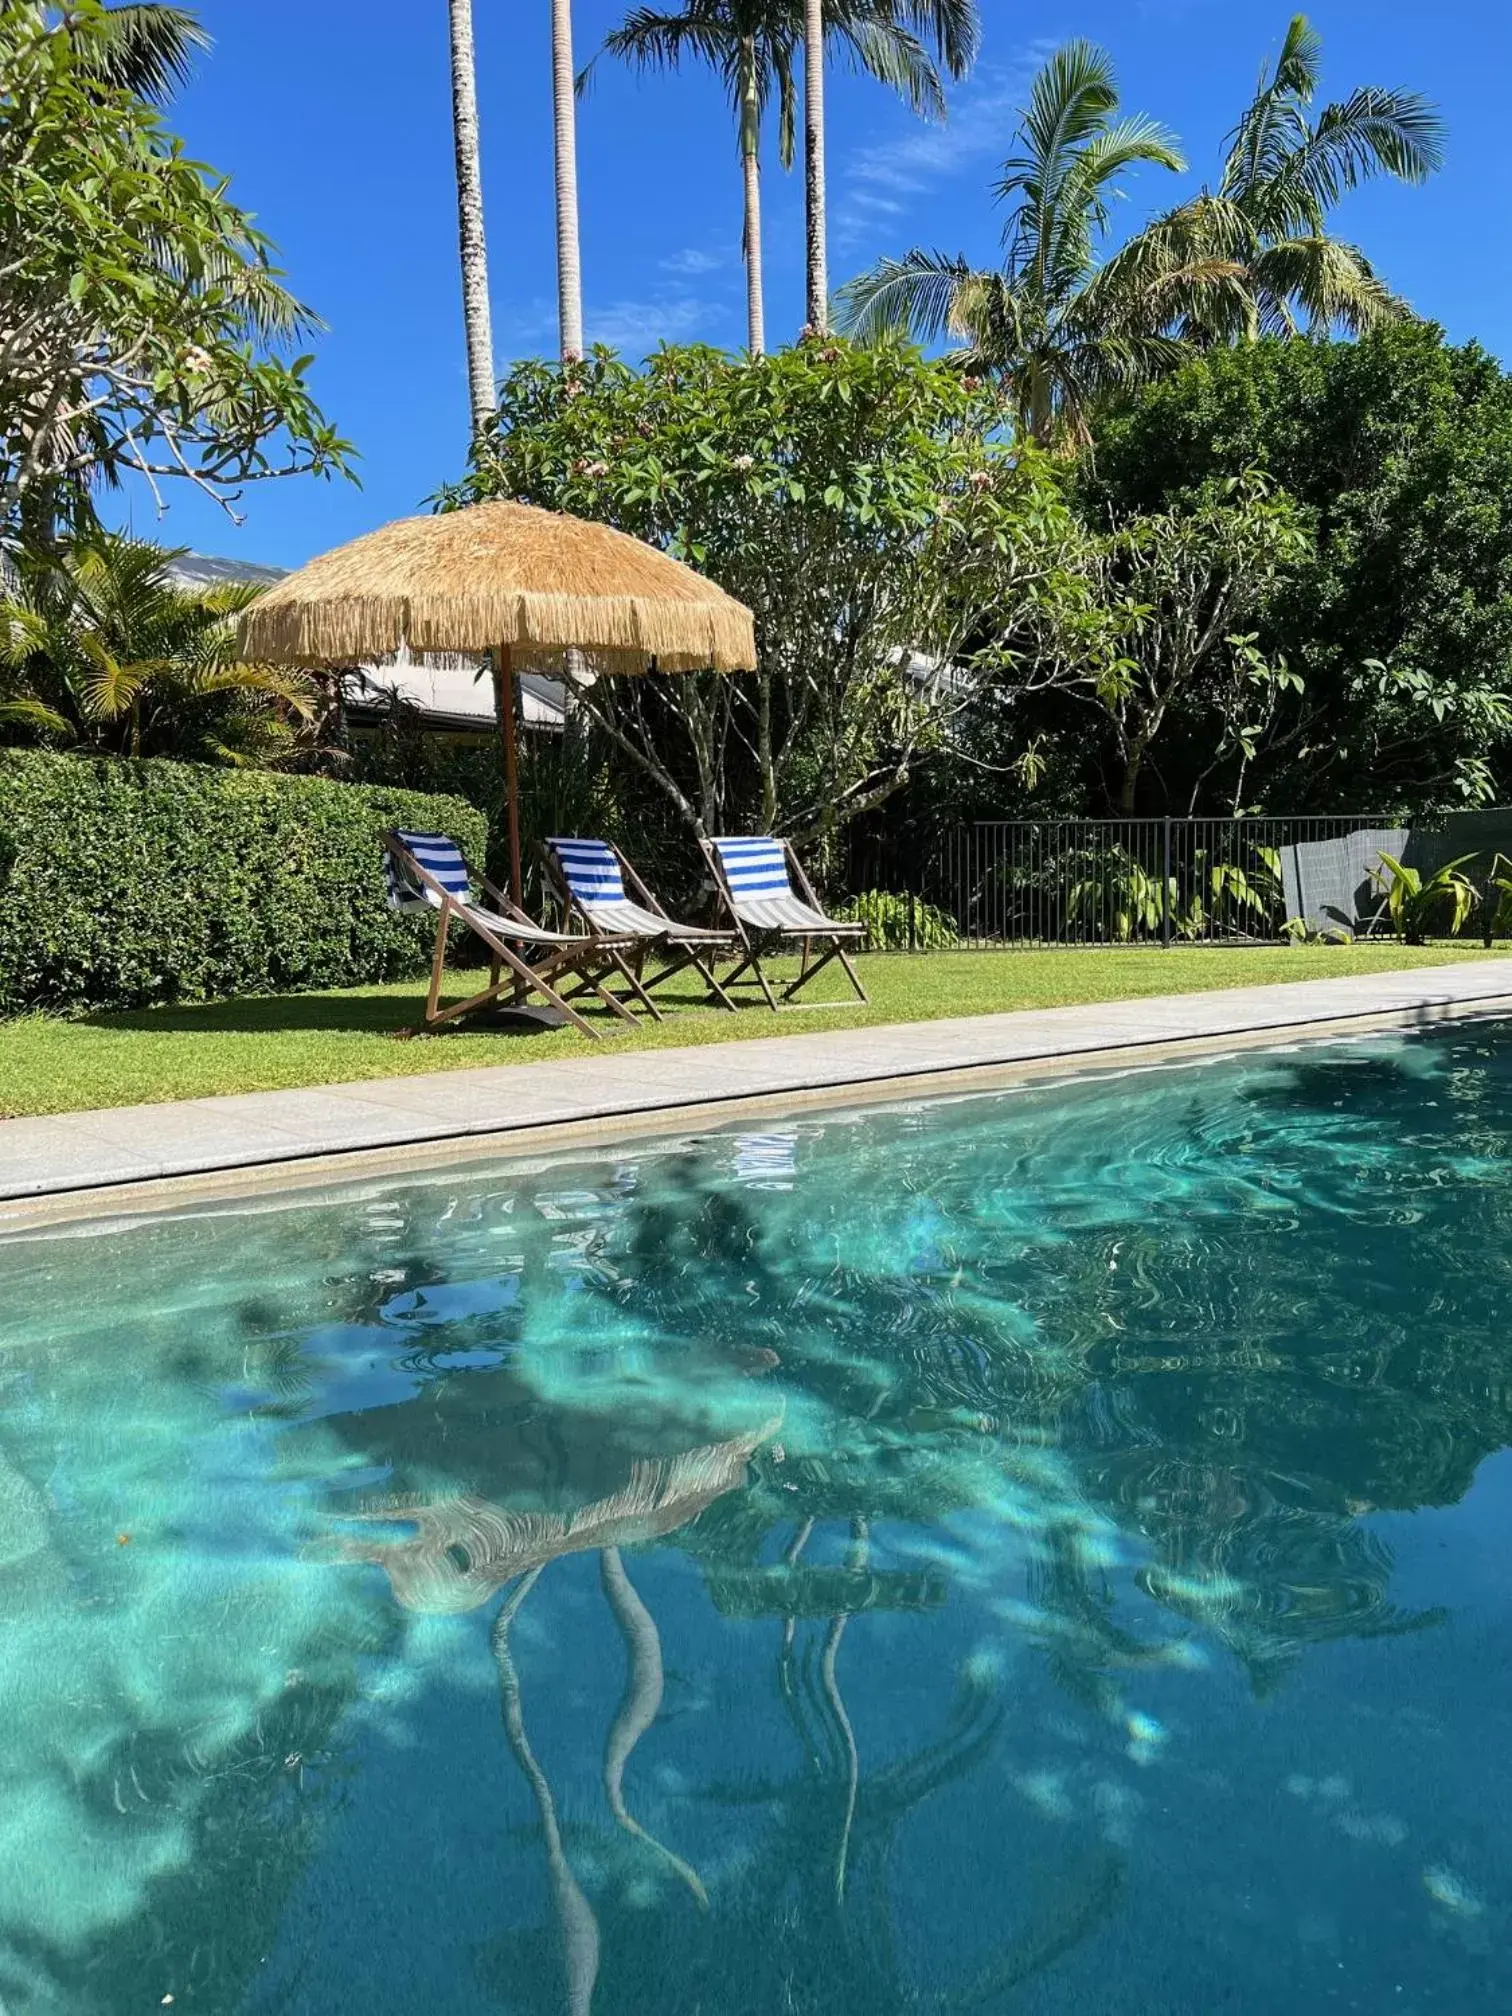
(442, 860)
(592, 874)
(763, 896)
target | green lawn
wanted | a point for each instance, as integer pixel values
(48, 1065)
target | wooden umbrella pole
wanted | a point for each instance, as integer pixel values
(505, 688)
(504, 698)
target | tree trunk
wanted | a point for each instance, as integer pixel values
(813, 164)
(750, 158)
(476, 318)
(569, 264)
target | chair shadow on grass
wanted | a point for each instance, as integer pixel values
(375, 1012)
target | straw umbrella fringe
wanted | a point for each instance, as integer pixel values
(537, 581)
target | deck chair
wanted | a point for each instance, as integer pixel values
(594, 881)
(428, 871)
(761, 887)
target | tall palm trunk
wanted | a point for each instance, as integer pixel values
(569, 264)
(813, 162)
(750, 161)
(476, 318)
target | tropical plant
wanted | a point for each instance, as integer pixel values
(145, 327)
(753, 45)
(477, 318)
(855, 498)
(900, 923)
(1416, 902)
(100, 648)
(564, 130)
(1496, 901)
(1261, 240)
(1057, 327)
(1118, 898)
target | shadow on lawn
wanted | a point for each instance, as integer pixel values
(353, 1014)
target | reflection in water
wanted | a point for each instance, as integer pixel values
(466, 1549)
(922, 1560)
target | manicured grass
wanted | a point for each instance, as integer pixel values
(48, 1065)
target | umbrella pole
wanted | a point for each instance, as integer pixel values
(505, 689)
(504, 698)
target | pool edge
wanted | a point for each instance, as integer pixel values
(132, 1197)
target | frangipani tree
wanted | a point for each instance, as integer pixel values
(143, 324)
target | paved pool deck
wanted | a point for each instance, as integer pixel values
(140, 1157)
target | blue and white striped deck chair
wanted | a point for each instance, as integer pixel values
(762, 886)
(428, 871)
(595, 882)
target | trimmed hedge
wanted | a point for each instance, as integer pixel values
(124, 884)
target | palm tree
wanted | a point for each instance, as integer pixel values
(569, 259)
(1058, 328)
(813, 164)
(956, 29)
(102, 648)
(753, 44)
(1284, 170)
(476, 317)
(147, 48)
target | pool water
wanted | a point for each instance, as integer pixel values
(1046, 1551)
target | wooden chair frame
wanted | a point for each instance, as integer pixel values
(585, 958)
(678, 951)
(754, 940)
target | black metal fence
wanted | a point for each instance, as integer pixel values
(1158, 881)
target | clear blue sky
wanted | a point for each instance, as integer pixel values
(333, 119)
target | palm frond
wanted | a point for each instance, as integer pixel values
(1372, 132)
(29, 713)
(111, 687)
(146, 48)
(893, 56)
(916, 292)
(1332, 283)
(1274, 122)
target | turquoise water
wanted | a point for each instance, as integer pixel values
(1038, 1552)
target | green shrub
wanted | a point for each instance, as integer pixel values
(886, 918)
(124, 884)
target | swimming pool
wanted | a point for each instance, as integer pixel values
(1038, 1551)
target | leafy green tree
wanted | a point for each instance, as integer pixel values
(101, 648)
(1056, 326)
(1153, 629)
(753, 45)
(1400, 621)
(855, 498)
(1256, 254)
(143, 325)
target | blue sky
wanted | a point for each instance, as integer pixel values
(333, 119)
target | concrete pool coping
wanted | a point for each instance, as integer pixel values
(144, 1158)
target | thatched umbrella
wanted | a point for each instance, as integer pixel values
(505, 578)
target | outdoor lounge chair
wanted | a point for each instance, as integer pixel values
(596, 882)
(428, 871)
(761, 886)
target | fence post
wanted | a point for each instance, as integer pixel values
(1165, 886)
(913, 923)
